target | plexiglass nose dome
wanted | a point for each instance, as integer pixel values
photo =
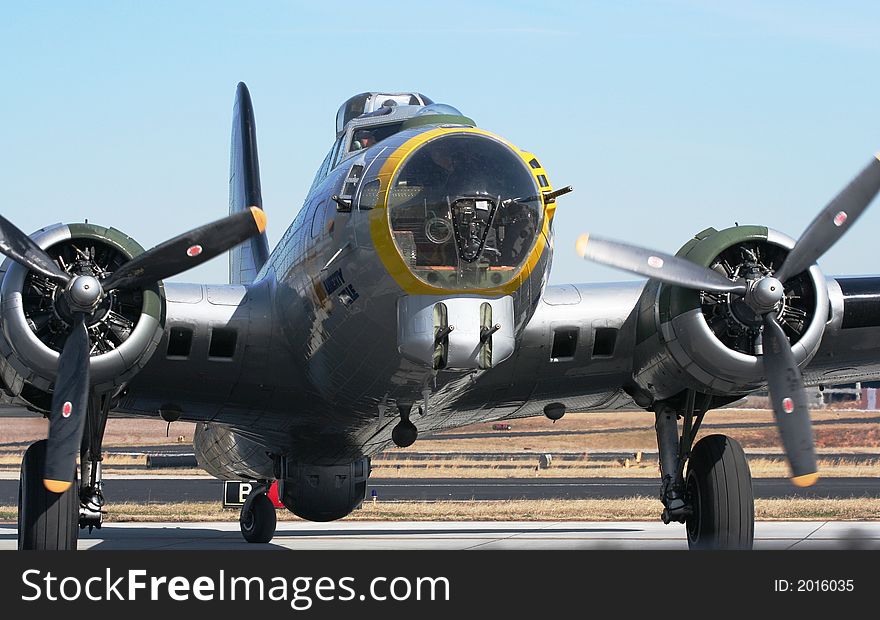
(465, 212)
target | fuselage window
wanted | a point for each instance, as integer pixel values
(369, 195)
(222, 342)
(179, 342)
(604, 341)
(564, 343)
(318, 219)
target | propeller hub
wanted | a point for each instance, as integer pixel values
(84, 293)
(765, 294)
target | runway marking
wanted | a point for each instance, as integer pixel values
(515, 534)
(810, 535)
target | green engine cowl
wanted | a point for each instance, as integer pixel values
(711, 342)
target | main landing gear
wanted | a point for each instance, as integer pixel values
(51, 521)
(257, 519)
(46, 520)
(714, 498)
(91, 491)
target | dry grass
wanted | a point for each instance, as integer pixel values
(120, 432)
(761, 468)
(754, 428)
(836, 429)
(632, 430)
(9, 461)
(631, 509)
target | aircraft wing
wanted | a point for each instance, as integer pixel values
(622, 345)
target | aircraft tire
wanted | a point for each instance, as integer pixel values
(47, 521)
(719, 489)
(258, 519)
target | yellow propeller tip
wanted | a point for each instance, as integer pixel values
(807, 480)
(581, 245)
(877, 155)
(56, 486)
(259, 218)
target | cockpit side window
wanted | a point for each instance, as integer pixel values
(322, 171)
(368, 136)
(327, 165)
(334, 156)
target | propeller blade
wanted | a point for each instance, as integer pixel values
(68, 414)
(188, 250)
(833, 221)
(789, 400)
(656, 265)
(22, 249)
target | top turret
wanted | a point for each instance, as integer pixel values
(365, 103)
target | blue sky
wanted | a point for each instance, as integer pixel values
(666, 116)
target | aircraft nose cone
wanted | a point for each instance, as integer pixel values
(84, 292)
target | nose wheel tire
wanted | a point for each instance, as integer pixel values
(47, 521)
(257, 519)
(719, 490)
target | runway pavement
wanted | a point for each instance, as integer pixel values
(144, 489)
(367, 535)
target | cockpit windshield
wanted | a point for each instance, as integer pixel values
(465, 212)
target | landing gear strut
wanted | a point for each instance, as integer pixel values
(257, 519)
(714, 499)
(405, 433)
(91, 491)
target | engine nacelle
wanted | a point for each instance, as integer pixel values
(124, 331)
(228, 455)
(708, 341)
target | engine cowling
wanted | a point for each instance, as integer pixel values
(710, 342)
(124, 331)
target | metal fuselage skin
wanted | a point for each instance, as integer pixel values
(321, 374)
(340, 280)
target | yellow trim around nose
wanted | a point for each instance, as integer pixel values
(383, 240)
